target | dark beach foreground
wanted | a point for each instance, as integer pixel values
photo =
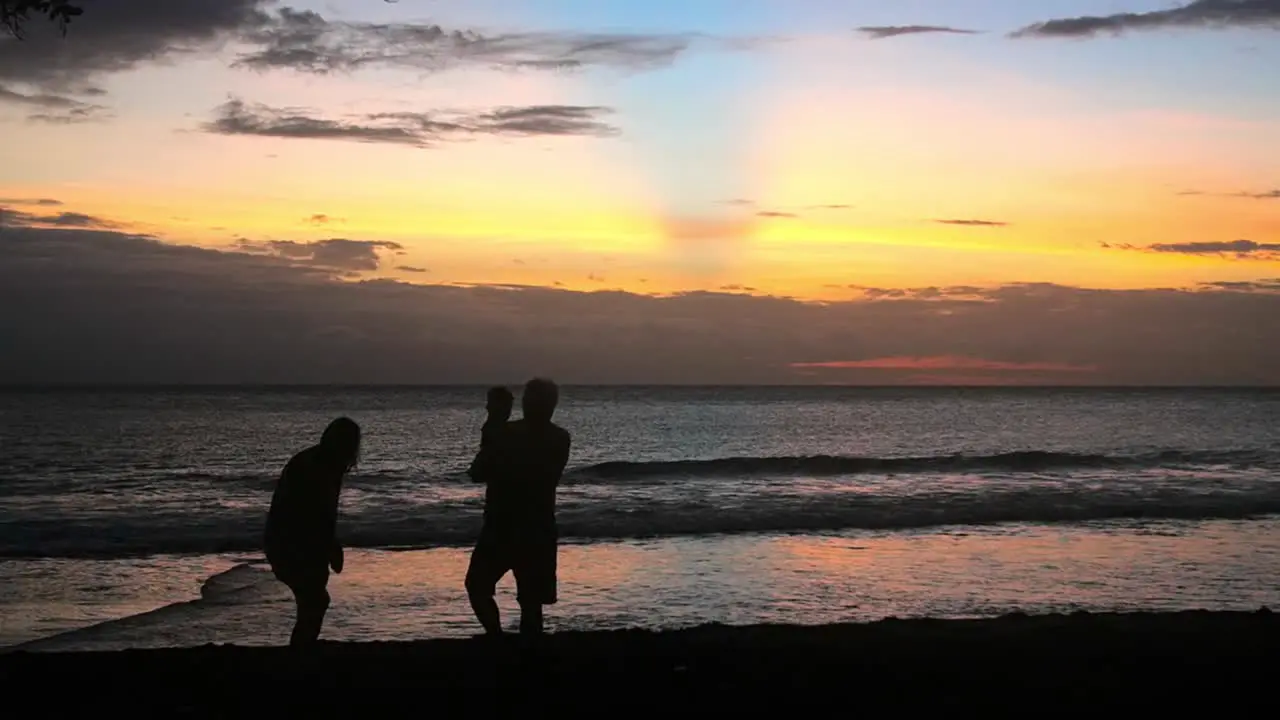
(1043, 664)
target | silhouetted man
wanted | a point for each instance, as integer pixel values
(521, 470)
(301, 537)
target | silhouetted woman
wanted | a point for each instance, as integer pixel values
(301, 539)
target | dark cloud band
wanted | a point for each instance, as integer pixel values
(118, 35)
(75, 306)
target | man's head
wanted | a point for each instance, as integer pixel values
(499, 402)
(539, 400)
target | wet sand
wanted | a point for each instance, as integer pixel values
(1191, 661)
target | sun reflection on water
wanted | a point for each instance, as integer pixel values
(676, 582)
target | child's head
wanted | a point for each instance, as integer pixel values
(499, 402)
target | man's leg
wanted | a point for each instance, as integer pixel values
(530, 618)
(536, 583)
(483, 573)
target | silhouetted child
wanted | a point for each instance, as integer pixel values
(498, 404)
(301, 536)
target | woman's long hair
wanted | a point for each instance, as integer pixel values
(340, 443)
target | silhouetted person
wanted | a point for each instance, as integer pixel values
(498, 404)
(301, 541)
(521, 471)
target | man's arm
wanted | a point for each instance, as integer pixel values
(479, 470)
(336, 557)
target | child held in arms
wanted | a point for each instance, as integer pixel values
(499, 402)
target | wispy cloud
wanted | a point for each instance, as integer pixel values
(882, 32)
(1255, 195)
(308, 42)
(540, 120)
(351, 256)
(322, 219)
(952, 293)
(418, 129)
(947, 362)
(236, 117)
(17, 218)
(1235, 247)
(1270, 285)
(1240, 249)
(31, 202)
(74, 116)
(52, 107)
(1197, 14)
(744, 203)
(973, 223)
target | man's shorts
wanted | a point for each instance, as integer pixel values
(530, 557)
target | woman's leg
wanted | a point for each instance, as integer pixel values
(313, 602)
(308, 578)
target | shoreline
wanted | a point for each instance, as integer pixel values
(1023, 662)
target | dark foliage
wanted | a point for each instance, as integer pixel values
(14, 14)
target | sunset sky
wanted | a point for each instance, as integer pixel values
(832, 190)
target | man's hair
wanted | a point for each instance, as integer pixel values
(540, 398)
(500, 394)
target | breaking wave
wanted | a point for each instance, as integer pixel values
(825, 465)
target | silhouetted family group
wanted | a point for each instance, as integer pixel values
(520, 462)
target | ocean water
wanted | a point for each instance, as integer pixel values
(132, 518)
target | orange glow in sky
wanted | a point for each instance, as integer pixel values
(800, 168)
